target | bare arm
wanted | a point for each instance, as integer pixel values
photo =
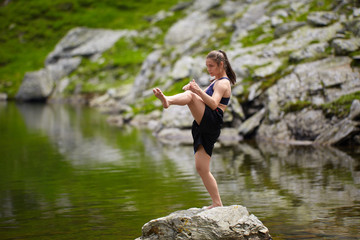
(214, 100)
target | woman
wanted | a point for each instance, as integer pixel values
(207, 107)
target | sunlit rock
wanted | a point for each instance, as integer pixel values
(232, 222)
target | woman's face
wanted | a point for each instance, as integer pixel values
(213, 68)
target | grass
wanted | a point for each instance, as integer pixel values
(29, 30)
(339, 107)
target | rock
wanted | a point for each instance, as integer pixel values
(338, 133)
(306, 124)
(36, 86)
(229, 137)
(143, 79)
(311, 51)
(354, 27)
(187, 31)
(177, 116)
(175, 136)
(355, 110)
(40, 84)
(287, 27)
(232, 222)
(82, 41)
(253, 13)
(3, 96)
(205, 5)
(251, 123)
(182, 68)
(274, 132)
(321, 19)
(345, 46)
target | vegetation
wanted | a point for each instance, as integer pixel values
(29, 30)
(339, 107)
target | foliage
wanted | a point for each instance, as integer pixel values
(29, 30)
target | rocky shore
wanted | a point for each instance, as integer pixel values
(296, 63)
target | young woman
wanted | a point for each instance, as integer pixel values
(207, 107)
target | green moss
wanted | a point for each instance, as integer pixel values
(253, 37)
(29, 30)
(296, 106)
(341, 106)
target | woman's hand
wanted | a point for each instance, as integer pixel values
(186, 87)
(194, 87)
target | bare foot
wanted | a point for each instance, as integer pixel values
(212, 206)
(159, 94)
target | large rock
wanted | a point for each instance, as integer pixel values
(36, 86)
(232, 222)
(40, 84)
(187, 31)
(86, 42)
(287, 27)
(247, 127)
(321, 19)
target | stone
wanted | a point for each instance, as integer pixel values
(175, 136)
(311, 51)
(287, 27)
(306, 124)
(355, 110)
(338, 133)
(345, 46)
(36, 86)
(182, 68)
(177, 117)
(247, 127)
(83, 41)
(232, 222)
(229, 137)
(187, 31)
(3, 96)
(321, 19)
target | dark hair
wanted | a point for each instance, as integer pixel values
(220, 56)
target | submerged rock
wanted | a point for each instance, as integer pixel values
(232, 222)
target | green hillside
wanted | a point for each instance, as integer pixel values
(29, 30)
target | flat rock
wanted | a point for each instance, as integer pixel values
(232, 222)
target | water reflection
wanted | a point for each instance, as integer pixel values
(67, 134)
(65, 167)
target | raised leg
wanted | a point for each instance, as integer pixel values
(202, 163)
(193, 101)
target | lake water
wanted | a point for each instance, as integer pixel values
(66, 174)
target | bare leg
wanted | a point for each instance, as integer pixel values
(193, 101)
(202, 162)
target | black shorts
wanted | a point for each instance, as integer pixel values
(209, 129)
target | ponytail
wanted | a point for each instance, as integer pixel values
(228, 69)
(220, 56)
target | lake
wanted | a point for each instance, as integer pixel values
(67, 174)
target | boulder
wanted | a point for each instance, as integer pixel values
(321, 19)
(3, 96)
(86, 42)
(338, 133)
(175, 136)
(345, 46)
(309, 52)
(177, 116)
(36, 86)
(232, 222)
(355, 110)
(247, 127)
(287, 27)
(187, 31)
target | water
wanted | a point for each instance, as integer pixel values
(66, 174)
